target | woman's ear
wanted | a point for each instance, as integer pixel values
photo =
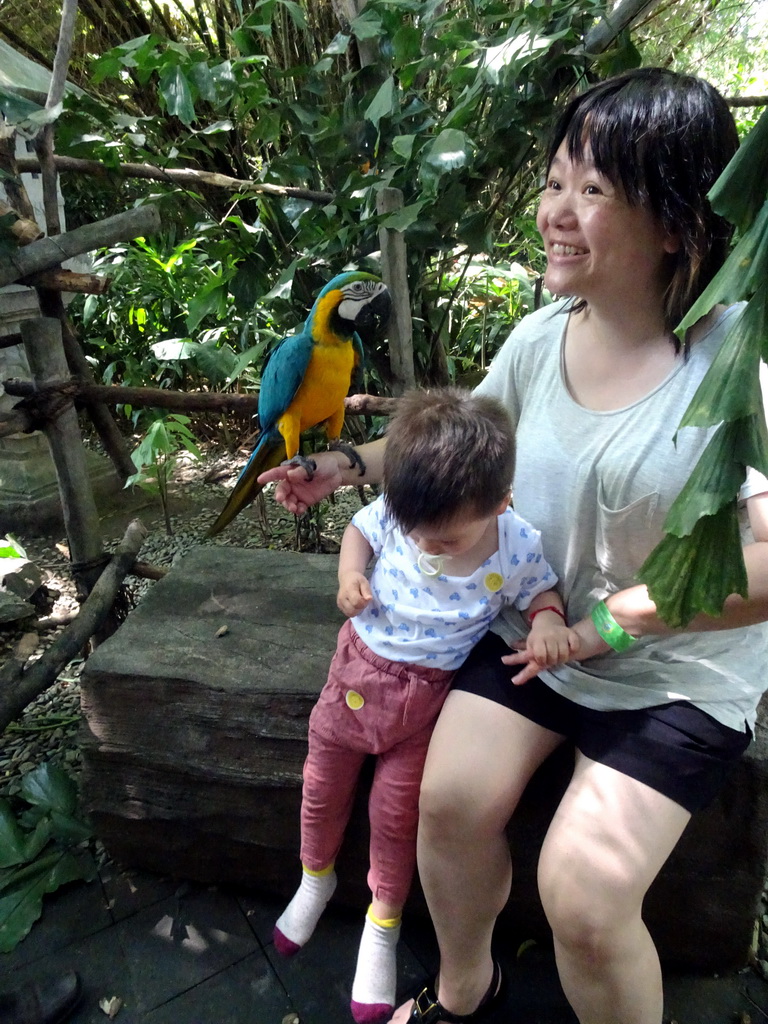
(671, 242)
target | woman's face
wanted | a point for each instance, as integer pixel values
(598, 247)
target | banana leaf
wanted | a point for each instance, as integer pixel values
(742, 188)
(730, 389)
(688, 575)
(699, 563)
(744, 273)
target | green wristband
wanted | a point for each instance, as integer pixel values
(609, 629)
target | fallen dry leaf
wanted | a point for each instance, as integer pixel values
(111, 1006)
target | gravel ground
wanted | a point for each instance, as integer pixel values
(48, 728)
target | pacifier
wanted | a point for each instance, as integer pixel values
(429, 565)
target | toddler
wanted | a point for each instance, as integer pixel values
(450, 553)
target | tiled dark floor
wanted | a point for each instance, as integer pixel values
(188, 954)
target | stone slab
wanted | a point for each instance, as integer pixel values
(196, 735)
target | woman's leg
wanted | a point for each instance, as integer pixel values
(479, 762)
(609, 838)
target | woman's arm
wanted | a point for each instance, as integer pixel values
(636, 613)
(296, 492)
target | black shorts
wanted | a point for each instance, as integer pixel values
(676, 748)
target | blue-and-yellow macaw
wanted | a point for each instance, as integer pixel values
(307, 376)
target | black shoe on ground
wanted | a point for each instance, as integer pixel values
(41, 1002)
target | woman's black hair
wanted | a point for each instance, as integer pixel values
(664, 138)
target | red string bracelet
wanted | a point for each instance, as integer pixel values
(547, 608)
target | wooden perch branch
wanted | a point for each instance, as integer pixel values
(50, 252)
(20, 683)
(184, 401)
(182, 176)
(60, 280)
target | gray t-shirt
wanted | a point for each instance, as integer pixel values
(598, 485)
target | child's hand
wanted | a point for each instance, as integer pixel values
(549, 643)
(354, 593)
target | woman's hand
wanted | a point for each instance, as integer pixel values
(354, 593)
(295, 491)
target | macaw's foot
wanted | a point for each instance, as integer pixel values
(355, 459)
(308, 465)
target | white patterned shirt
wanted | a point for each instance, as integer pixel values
(436, 620)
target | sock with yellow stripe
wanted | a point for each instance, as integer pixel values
(375, 984)
(295, 925)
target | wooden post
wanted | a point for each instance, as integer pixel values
(47, 362)
(395, 276)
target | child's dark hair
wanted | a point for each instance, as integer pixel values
(664, 138)
(448, 452)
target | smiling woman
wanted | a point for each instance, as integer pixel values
(596, 384)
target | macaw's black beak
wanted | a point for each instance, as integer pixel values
(373, 318)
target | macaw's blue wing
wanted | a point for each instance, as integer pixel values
(281, 377)
(280, 380)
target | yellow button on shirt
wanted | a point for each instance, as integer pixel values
(494, 581)
(354, 700)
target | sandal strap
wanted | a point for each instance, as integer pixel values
(427, 1008)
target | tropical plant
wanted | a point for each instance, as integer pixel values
(157, 454)
(699, 563)
(43, 845)
(451, 114)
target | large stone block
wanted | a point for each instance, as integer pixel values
(196, 737)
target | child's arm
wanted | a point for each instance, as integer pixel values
(354, 556)
(550, 642)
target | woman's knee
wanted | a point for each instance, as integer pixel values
(451, 806)
(588, 905)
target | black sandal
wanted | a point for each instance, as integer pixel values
(427, 1008)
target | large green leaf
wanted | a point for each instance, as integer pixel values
(175, 90)
(730, 388)
(742, 188)
(688, 575)
(713, 483)
(743, 273)
(21, 903)
(450, 150)
(50, 788)
(383, 103)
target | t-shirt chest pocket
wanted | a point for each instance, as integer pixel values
(626, 536)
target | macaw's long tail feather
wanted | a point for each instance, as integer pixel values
(269, 452)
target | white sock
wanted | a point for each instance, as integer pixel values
(375, 984)
(295, 925)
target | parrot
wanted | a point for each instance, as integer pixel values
(306, 378)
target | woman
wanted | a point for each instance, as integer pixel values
(596, 385)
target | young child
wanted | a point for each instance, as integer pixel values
(450, 552)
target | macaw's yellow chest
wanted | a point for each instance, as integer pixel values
(322, 392)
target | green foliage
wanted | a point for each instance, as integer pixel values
(42, 847)
(700, 561)
(156, 455)
(452, 114)
(11, 548)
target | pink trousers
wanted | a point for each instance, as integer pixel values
(369, 705)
